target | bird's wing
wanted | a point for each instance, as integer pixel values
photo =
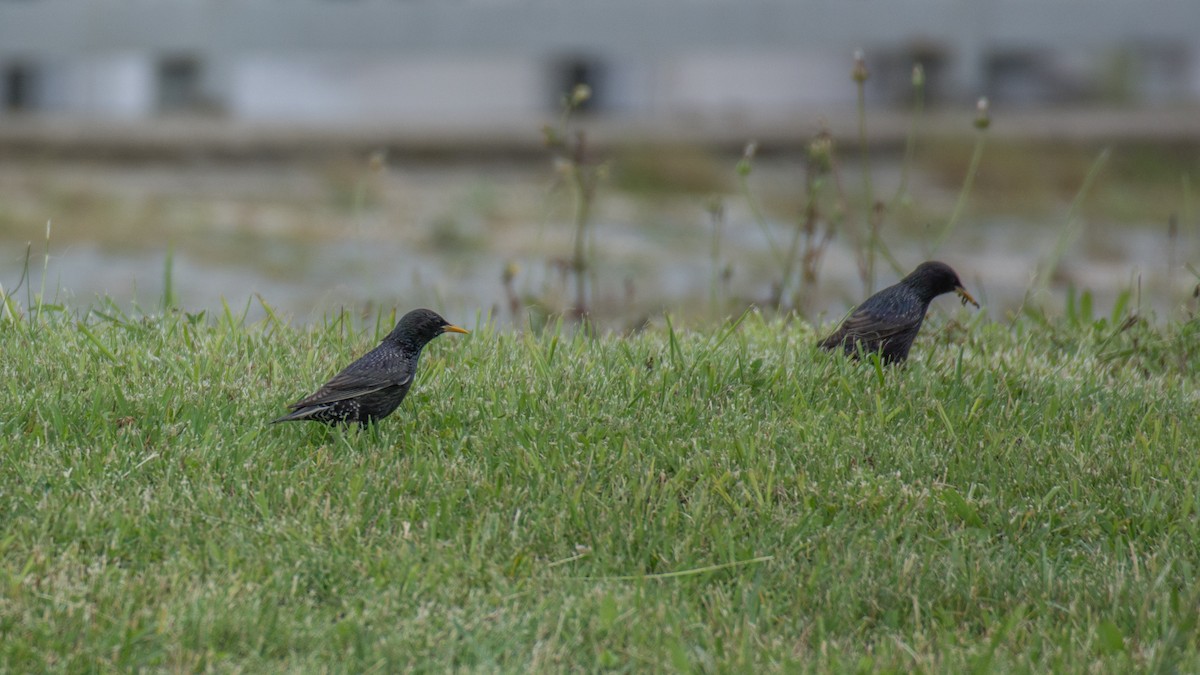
(348, 384)
(866, 324)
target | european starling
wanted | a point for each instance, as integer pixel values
(889, 320)
(369, 389)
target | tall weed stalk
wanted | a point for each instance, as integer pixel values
(582, 175)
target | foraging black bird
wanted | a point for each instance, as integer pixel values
(372, 387)
(889, 320)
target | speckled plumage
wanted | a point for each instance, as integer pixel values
(888, 321)
(373, 386)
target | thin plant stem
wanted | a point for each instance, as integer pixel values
(682, 573)
(867, 263)
(1172, 247)
(1074, 223)
(716, 213)
(910, 149)
(982, 123)
(1186, 215)
(743, 182)
(168, 299)
(807, 223)
(910, 142)
(868, 189)
(45, 269)
(579, 262)
(964, 192)
(582, 179)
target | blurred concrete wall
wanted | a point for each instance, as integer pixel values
(455, 61)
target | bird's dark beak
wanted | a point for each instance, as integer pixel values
(966, 297)
(455, 329)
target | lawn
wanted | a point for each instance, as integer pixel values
(1022, 495)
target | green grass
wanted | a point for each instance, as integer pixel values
(1019, 497)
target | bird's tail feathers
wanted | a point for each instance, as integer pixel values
(300, 414)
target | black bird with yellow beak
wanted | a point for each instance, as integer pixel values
(369, 389)
(888, 321)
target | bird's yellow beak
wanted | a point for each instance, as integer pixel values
(456, 329)
(966, 297)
